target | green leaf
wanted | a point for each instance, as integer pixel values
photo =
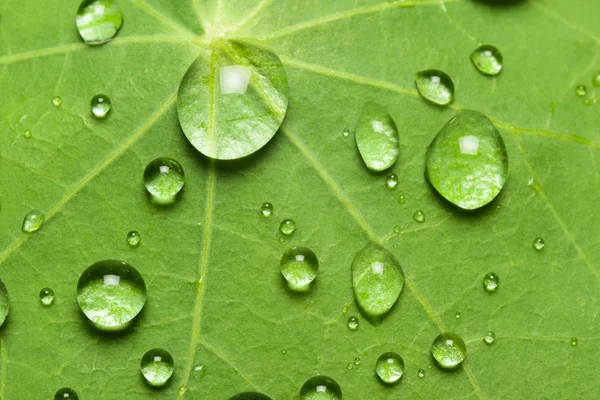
(211, 260)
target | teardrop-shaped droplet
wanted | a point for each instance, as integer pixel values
(232, 99)
(250, 396)
(287, 226)
(4, 307)
(98, 21)
(157, 366)
(27, 133)
(491, 282)
(101, 106)
(435, 86)
(134, 238)
(353, 323)
(377, 137)
(419, 216)
(581, 90)
(111, 294)
(467, 162)
(47, 296)
(539, 244)
(321, 388)
(389, 368)
(299, 266)
(489, 338)
(33, 221)
(266, 209)
(164, 179)
(57, 101)
(392, 181)
(449, 350)
(66, 394)
(487, 59)
(378, 279)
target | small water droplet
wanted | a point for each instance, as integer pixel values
(345, 309)
(33, 221)
(101, 106)
(419, 216)
(357, 361)
(283, 351)
(27, 133)
(98, 21)
(164, 178)
(457, 314)
(580, 90)
(299, 266)
(66, 394)
(489, 337)
(199, 369)
(491, 282)
(487, 59)
(449, 350)
(401, 199)
(574, 341)
(4, 306)
(266, 209)
(287, 226)
(389, 368)
(421, 373)
(397, 229)
(157, 366)
(392, 180)
(47, 296)
(435, 86)
(57, 101)
(596, 79)
(321, 388)
(349, 366)
(183, 389)
(353, 323)
(377, 137)
(539, 244)
(346, 132)
(133, 238)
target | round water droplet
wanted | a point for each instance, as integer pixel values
(101, 106)
(419, 216)
(346, 132)
(357, 361)
(4, 307)
(581, 90)
(389, 368)
(27, 133)
(487, 59)
(266, 209)
(164, 179)
(377, 137)
(287, 226)
(133, 238)
(47, 296)
(321, 388)
(538, 244)
(111, 294)
(353, 323)
(574, 341)
(491, 282)
(98, 21)
(250, 396)
(66, 394)
(57, 101)
(596, 79)
(397, 229)
(421, 373)
(349, 366)
(299, 266)
(435, 86)
(401, 199)
(377, 279)
(391, 181)
(157, 367)
(449, 350)
(457, 314)
(467, 162)
(489, 337)
(33, 221)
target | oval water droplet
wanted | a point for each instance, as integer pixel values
(449, 350)
(421, 373)
(33, 221)
(397, 229)
(287, 226)
(47, 296)
(4, 306)
(266, 209)
(401, 199)
(250, 396)
(419, 216)
(435, 86)
(457, 314)
(321, 388)
(157, 366)
(232, 99)
(299, 266)
(574, 341)
(377, 137)
(596, 79)
(378, 279)
(66, 394)
(98, 21)
(489, 337)
(389, 368)
(164, 178)
(488, 60)
(491, 282)
(27, 133)
(353, 323)
(580, 90)
(101, 106)
(467, 161)
(392, 181)
(134, 238)
(346, 132)
(357, 361)
(538, 244)
(57, 101)
(111, 294)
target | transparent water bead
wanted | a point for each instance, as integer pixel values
(111, 294)
(353, 323)
(47, 296)
(596, 79)
(401, 199)
(491, 282)
(377, 137)
(299, 266)
(66, 394)
(449, 350)
(98, 21)
(164, 178)
(134, 238)
(33, 221)
(321, 388)
(421, 373)
(489, 338)
(488, 60)
(4, 306)
(419, 216)
(539, 244)
(157, 366)
(574, 341)
(435, 86)
(392, 181)
(250, 396)
(57, 101)
(581, 90)
(101, 106)
(457, 315)
(27, 133)
(467, 161)
(287, 226)
(346, 132)
(266, 209)
(389, 368)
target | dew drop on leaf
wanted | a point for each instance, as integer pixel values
(397, 229)
(250, 396)
(580, 90)
(101, 106)
(596, 79)
(4, 307)
(538, 244)
(164, 178)
(457, 315)
(98, 21)
(299, 266)
(66, 394)
(157, 367)
(449, 350)
(489, 337)
(487, 59)
(33, 221)
(321, 388)
(574, 341)
(389, 368)
(199, 369)
(134, 238)
(346, 132)
(377, 137)
(266, 209)
(491, 282)
(111, 294)
(357, 361)
(27, 133)
(419, 216)
(57, 101)
(401, 199)
(421, 373)
(349, 366)
(287, 226)
(47, 296)
(435, 86)
(392, 181)
(353, 323)
(467, 162)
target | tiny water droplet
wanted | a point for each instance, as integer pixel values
(199, 369)
(250, 396)
(164, 178)
(580, 90)
(392, 180)
(183, 389)
(421, 373)
(457, 314)
(66, 394)
(489, 337)
(98, 21)
(435, 86)
(287, 226)
(47, 296)
(33, 221)
(587, 102)
(377, 137)
(321, 388)
(491, 282)
(4, 306)
(389, 368)
(101, 106)
(401, 199)
(299, 266)
(266, 209)
(539, 244)
(357, 361)
(57, 101)
(353, 323)
(283, 351)
(346, 132)
(487, 59)
(157, 366)
(27, 133)
(345, 309)
(419, 216)
(449, 350)
(397, 229)
(349, 366)
(574, 341)
(133, 238)
(596, 79)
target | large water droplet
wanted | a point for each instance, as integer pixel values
(157, 366)
(581, 90)
(321, 388)
(4, 307)
(164, 179)
(287, 226)
(378, 279)
(353, 323)
(435, 86)
(98, 21)
(467, 162)
(489, 338)
(266, 209)
(392, 181)
(389, 368)
(491, 282)
(419, 216)
(299, 266)
(33, 221)
(134, 238)
(101, 106)
(539, 243)
(377, 137)
(66, 394)
(111, 294)
(449, 350)
(47, 296)
(487, 59)
(250, 396)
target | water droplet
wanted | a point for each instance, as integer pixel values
(389, 368)
(164, 178)
(199, 369)
(574, 341)
(47, 296)
(4, 306)
(349, 366)
(378, 279)
(467, 162)
(266, 209)
(98, 21)
(489, 337)
(435, 86)
(111, 294)
(66, 394)
(491, 282)
(580, 90)
(57, 101)
(27, 133)
(538, 244)
(391, 181)
(101, 106)
(377, 137)
(596, 79)
(33, 221)
(250, 396)
(397, 229)
(287, 226)
(157, 366)
(183, 389)
(346, 132)
(357, 361)
(353, 323)
(321, 388)
(487, 59)
(299, 266)
(419, 216)
(421, 373)
(457, 314)
(449, 350)
(133, 238)
(401, 199)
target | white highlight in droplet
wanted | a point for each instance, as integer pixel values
(377, 268)
(469, 145)
(111, 280)
(164, 169)
(321, 389)
(234, 79)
